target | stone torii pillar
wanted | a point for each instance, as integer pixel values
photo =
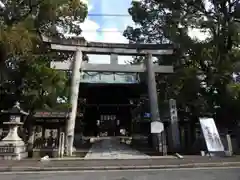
(159, 140)
(75, 83)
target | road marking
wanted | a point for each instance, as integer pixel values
(125, 170)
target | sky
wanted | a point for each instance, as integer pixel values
(112, 27)
(105, 28)
(93, 25)
(103, 23)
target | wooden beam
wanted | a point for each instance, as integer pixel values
(126, 68)
(113, 50)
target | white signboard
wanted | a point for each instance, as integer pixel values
(156, 127)
(211, 135)
(123, 78)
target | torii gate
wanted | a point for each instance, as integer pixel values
(80, 45)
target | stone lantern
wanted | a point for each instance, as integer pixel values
(12, 146)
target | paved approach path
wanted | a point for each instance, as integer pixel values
(111, 148)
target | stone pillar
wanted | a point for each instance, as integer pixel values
(153, 102)
(74, 101)
(229, 145)
(174, 128)
(31, 138)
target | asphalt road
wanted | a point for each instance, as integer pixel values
(167, 174)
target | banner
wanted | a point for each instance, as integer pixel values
(211, 135)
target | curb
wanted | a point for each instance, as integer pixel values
(85, 159)
(98, 168)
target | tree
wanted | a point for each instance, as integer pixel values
(25, 61)
(25, 72)
(203, 68)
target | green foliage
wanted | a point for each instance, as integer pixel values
(23, 21)
(43, 85)
(25, 61)
(203, 68)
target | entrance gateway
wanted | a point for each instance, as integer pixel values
(79, 67)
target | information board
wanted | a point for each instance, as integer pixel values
(156, 127)
(211, 135)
